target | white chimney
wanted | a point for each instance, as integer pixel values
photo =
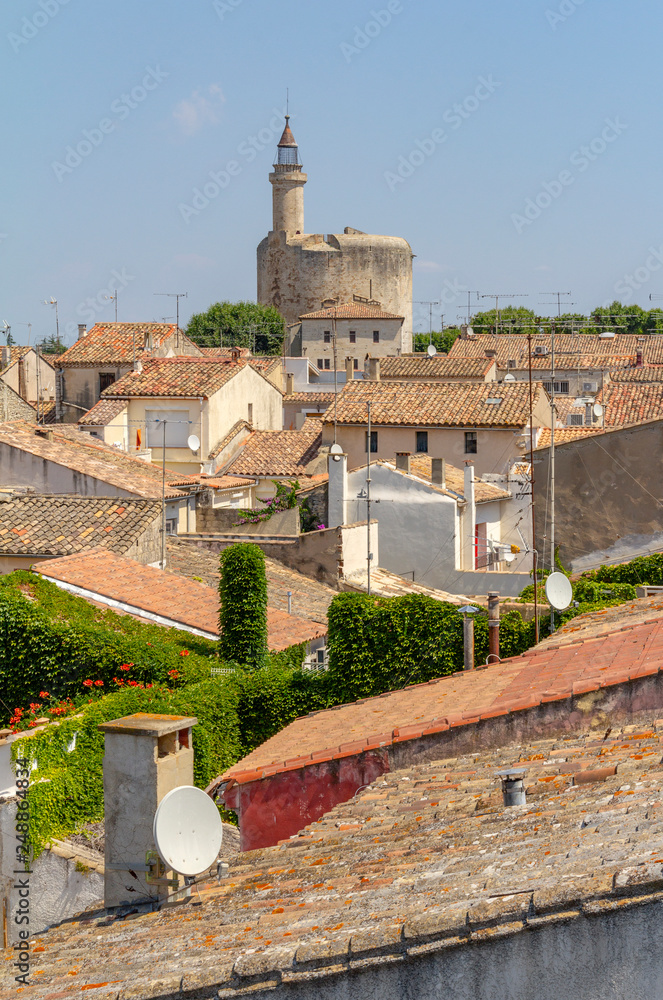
(146, 756)
(338, 490)
(470, 516)
(439, 472)
(82, 331)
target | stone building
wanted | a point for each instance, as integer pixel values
(299, 271)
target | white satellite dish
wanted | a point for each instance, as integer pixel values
(509, 377)
(597, 410)
(509, 557)
(469, 331)
(558, 591)
(187, 830)
(193, 442)
(431, 351)
(336, 449)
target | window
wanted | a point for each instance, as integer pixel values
(470, 442)
(327, 337)
(250, 416)
(320, 363)
(422, 441)
(353, 336)
(177, 428)
(327, 365)
(355, 364)
(560, 387)
(171, 525)
(374, 441)
(376, 336)
(105, 379)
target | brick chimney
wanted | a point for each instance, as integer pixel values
(349, 369)
(374, 369)
(289, 384)
(82, 331)
(403, 459)
(439, 472)
(146, 756)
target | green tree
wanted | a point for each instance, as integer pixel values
(621, 319)
(441, 341)
(243, 610)
(239, 324)
(49, 345)
(512, 319)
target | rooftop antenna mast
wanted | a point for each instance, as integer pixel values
(177, 296)
(427, 302)
(497, 297)
(558, 296)
(469, 306)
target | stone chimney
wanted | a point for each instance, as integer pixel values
(146, 756)
(349, 369)
(22, 379)
(337, 495)
(374, 369)
(82, 331)
(439, 472)
(289, 384)
(403, 461)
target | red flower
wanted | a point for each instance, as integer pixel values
(44, 694)
(185, 652)
(126, 666)
(133, 684)
(87, 684)
(148, 685)
(98, 684)
(173, 673)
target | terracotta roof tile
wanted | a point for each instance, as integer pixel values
(425, 859)
(638, 373)
(564, 434)
(78, 451)
(573, 350)
(315, 396)
(59, 525)
(180, 376)
(495, 690)
(102, 413)
(183, 602)
(435, 404)
(278, 453)
(351, 310)
(631, 402)
(420, 366)
(114, 343)
(421, 465)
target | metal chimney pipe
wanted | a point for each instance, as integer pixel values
(513, 786)
(289, 602)
(468, 643)
(493, 627)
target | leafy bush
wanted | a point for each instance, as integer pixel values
(243, 612)
(638, 572)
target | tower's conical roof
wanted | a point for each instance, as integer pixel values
(287, 139)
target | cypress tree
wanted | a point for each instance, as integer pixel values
(243, 608)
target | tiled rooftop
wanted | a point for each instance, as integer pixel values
(102, 413)
(540, 676)
(635, 373)
(351, 310)
(310, 599)
(75, 450)
(426, 859)
(435, 404)
(175, 599)
(16, 351)
(314, 396)
(631, 402)
(570, 348)
(114, 343)
(564, 434)
(214, 482)
(278, 453)
(181, 376)
(59, 525)
(420, 366)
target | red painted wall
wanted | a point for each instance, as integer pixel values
(277, 807)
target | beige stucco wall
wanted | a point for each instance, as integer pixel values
(296, 273)
(46, 381)
(313, 346)
(496, 449)
(80, 386)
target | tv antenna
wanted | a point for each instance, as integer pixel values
(558, 296)
(469, 305)
(427, 302)
(187, 831)
(497, 297)
(177, 296)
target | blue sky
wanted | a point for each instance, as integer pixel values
(516, 146)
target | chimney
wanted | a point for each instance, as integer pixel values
(374, 369)
(289, 384)
(493, 627)
(22, 380)
(82, 331)
(6, 356)
(638, 358)
(234, 354)
(513, 786)
(403, 461)
(349, 369)
(337, 466)
(439, 472)
(145, 757)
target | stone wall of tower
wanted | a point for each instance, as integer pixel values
(297, 273)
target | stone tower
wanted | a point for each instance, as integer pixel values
(298, 272)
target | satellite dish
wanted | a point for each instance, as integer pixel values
(193, 442)
(509, 557)
(431, 351)
(469, 331)
(336, 449)
(558, 591)
(597, 410)
(509, 377)
(187, 830)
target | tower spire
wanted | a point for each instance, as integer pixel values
(288, 182)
